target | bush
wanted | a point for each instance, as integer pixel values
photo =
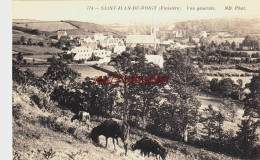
(17, 111)
(57, 124)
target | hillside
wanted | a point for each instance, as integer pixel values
(91, 28)
(72, 27)
(49, 26)
(241, 26)
(45, 132)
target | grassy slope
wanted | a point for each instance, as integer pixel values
(91, 28)
(33, 139)
(46, 25)
(35, 49)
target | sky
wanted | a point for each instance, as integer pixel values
(80, 10)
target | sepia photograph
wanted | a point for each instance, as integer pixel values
(135, 80)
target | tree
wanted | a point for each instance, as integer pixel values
(252, 101)
(59, 72)
(23, 39)
(212, 121)
(145, 96)
(214, 85)
(93, 58)
(226, 87)
(17, 75)
(19, 58)
(246, 136)
(24, 62)
(122, 64)
(185, 80)
(233, 45)
(40, 44)
(29, 42)
(241, 89)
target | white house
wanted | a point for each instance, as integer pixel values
(118, 49)
(203, 34)
(61, 33)
(86, 52)
(88, 40)
(156, 59)
(145, 40)
(99, 37)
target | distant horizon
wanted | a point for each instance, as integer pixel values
(79, 11)
(235, 18)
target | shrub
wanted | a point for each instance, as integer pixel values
(17, 111)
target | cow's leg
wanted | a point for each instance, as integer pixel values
(114, 143)
(106, 141)
(148, 154)
(125, 145)
(117, 141)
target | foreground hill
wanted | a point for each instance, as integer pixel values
(43, 131)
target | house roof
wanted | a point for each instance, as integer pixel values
(137, 39)
(62, 32)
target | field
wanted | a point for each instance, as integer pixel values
(16, 35)
(49, 26)
(35, 49)
(84, 70)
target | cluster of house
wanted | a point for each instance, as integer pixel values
(104, 46)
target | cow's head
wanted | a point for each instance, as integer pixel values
(163, 153)
(94, 135)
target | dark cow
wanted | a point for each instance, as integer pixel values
(147, 145)
(83, 118)
(111, 128)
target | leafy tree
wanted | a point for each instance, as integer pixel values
(226, 87)
(233, 45)
(145, 96)
(252, 101)
(17, 75)
(40, 44)
(241, 89)
(246, 136)
(214, 85)
(122, 64)
(59, 72)
(29, 42)
(19, 58)
(251, 42)
(212, 122)
(23, 39)
(185, 80)
(93, 58)
(24, 62)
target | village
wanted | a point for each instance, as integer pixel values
(99, 48)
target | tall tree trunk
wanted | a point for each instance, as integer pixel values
(185, 134)
(144, 114)
(125, 102)
(144, 121)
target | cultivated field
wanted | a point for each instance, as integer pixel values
(84, 70)
(16, 35)
(46, 25)
(35, 49)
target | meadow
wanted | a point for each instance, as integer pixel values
(49, 26)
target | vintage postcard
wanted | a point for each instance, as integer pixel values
(117, 79)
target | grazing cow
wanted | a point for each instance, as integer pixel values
(147, 145)
(83, 118)
(111, 128)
